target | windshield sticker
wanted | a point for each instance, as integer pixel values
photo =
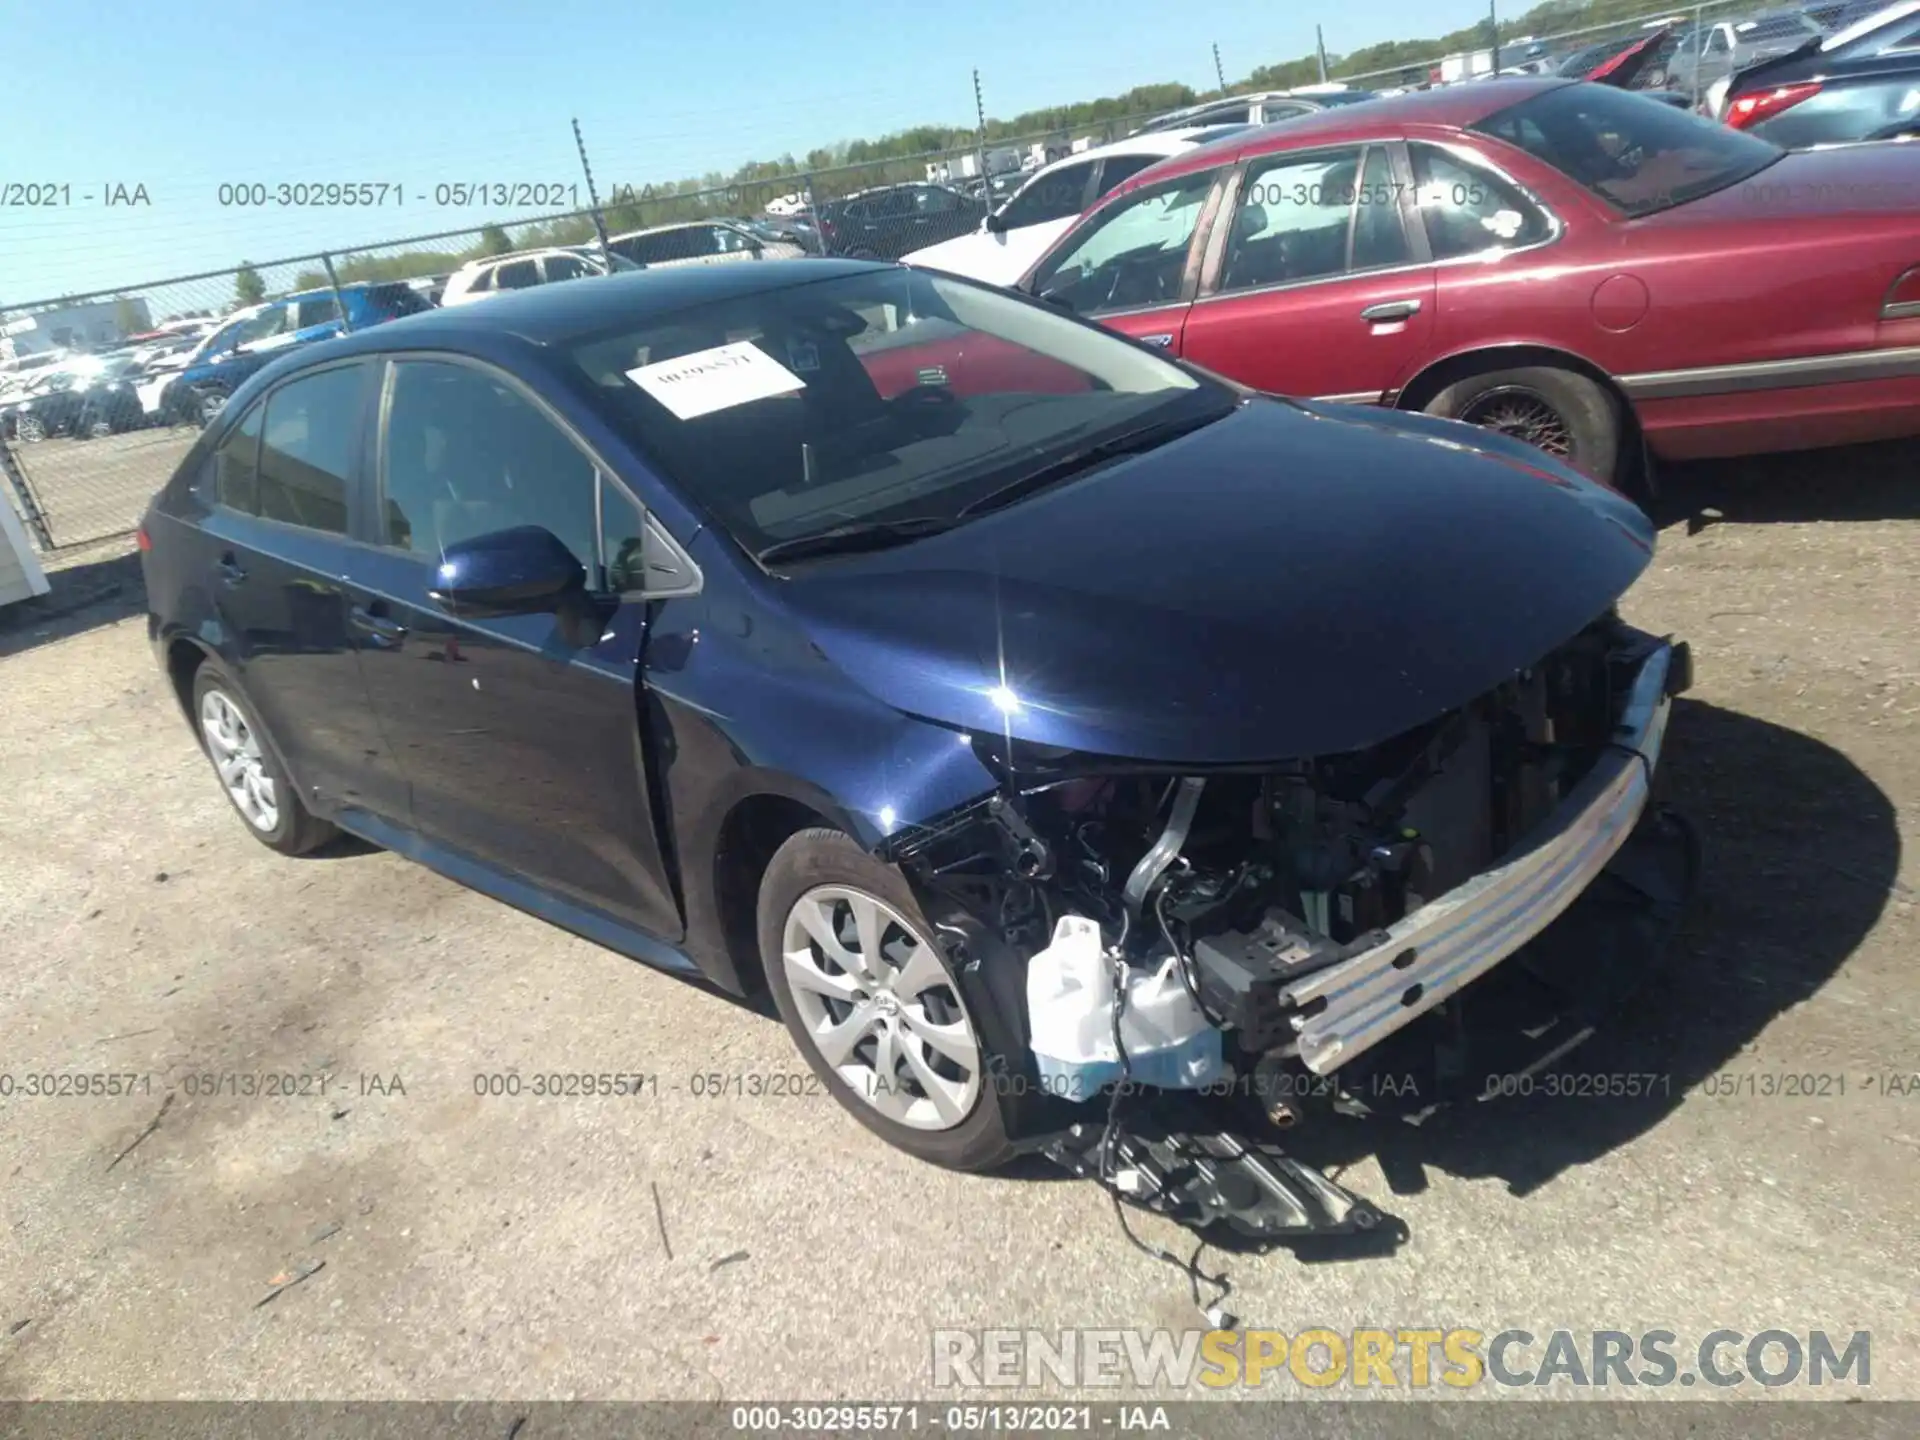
(717, 379)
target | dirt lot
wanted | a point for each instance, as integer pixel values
(706, 1247)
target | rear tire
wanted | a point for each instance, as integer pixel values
(248, 767)
(207, 406)
(856, 974)
(1570, 417)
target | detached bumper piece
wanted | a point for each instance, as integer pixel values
(1204, 1179)
(1346, 1009)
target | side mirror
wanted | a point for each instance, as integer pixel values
(522, 571)
(994, 224)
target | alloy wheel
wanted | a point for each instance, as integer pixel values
(878, 1007)
(1525, 415)
(210, 406)
(31, 428)
(236, 753)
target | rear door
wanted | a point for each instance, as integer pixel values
(1315, 284)
(279, 496)
(1134, 266)
(524, 751)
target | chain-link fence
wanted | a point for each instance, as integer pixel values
(102, 394)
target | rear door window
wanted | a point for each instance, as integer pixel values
(517, 275)
(564, 267)
(1057, 195)
(1468, 209)
(235, 478)
(307, 445)
(1116, 170)
(1292, 220)
(318, 310)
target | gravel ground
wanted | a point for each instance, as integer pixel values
(704, 1247)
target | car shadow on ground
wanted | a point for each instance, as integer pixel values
(82, 597)
(1857, 482)
(1800, 856)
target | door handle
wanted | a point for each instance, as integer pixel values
(231, 570)
(372, 619)
(1165, 342)
(1389, 310)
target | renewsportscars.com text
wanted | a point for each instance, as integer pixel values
(1419, 1358)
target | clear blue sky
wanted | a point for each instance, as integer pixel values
(181, 95)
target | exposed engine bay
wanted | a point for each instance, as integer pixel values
(1285, 895)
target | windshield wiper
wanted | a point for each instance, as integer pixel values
(859, 535)
(1078, 462)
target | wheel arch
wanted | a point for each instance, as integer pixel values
(185, 656)
(1635, 463)
(722, 912)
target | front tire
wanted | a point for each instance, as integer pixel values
(1558, 411)
(256, 785)
(870, 1000)
(207, 406)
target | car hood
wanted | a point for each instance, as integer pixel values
(996, 259)
(1293, 580)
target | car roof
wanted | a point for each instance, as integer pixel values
(674, 225)
(505, 255)
(560, 313)
(1456, 106)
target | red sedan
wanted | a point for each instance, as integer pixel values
(1571, 263)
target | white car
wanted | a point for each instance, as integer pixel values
(698, 242)
(522, 270)
(1042, 210)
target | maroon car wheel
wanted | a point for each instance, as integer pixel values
(1559, 412)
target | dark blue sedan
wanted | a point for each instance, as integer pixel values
(860, 634)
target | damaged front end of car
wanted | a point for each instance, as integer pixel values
(1280, 932)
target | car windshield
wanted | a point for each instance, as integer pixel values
(867, 399)
(1636, 154)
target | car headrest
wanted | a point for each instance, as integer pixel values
(1251, 221)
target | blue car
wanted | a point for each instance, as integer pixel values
(886, 643)
(223, 361)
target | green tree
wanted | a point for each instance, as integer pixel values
(129, 316)
(248, 287)
(494, 241)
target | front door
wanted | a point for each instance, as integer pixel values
(523, 742)
(1315, 287)
(1133, 267)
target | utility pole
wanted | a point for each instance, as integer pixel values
(1493, 24)
(593, 199)
(1320, 49)
(1699, 48)
(980, 140)
(1218, 73)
